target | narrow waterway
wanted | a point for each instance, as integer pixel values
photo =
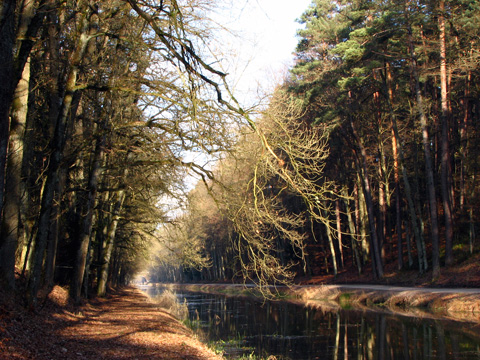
(243, 326)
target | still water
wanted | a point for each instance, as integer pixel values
(244, 326)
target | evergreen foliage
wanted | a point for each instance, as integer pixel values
(365, 158)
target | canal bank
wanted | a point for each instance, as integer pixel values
(450, 303)
(252, 327)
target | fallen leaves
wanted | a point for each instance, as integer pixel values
(125, 325)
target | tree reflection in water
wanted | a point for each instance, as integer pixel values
(288, 331)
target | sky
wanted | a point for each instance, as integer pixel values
(267, 38)
(257, 52)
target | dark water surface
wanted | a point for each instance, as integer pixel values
(244, 326)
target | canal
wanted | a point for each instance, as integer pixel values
(246, 326)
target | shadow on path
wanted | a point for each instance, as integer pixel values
(125, 325)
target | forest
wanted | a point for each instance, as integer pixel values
(362, 159)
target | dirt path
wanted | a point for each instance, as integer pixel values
(126, 325)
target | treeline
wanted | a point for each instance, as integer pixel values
(99, 102)
(366, 158)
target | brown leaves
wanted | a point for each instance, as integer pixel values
(126, 325)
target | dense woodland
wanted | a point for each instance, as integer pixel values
(99, 103)
(364, 156)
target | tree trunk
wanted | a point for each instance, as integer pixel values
(339, 231)
(53, 51)
(376, 256)
(464, 124)
(398, 205)
(360, 217)
(398, 150)
(409, 246)
(109, 242)
(26, 221)
(471, 230)
(52, 245)
(7, 88)
(11, 206)
(330, 242)
(332, 249)
(58, 143)
(353, 234)
(16, 43)
(81, 258)
(445, 160)
(428, 160)
(382, 180)
(382, 207)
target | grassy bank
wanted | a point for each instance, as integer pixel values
(414, 302)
